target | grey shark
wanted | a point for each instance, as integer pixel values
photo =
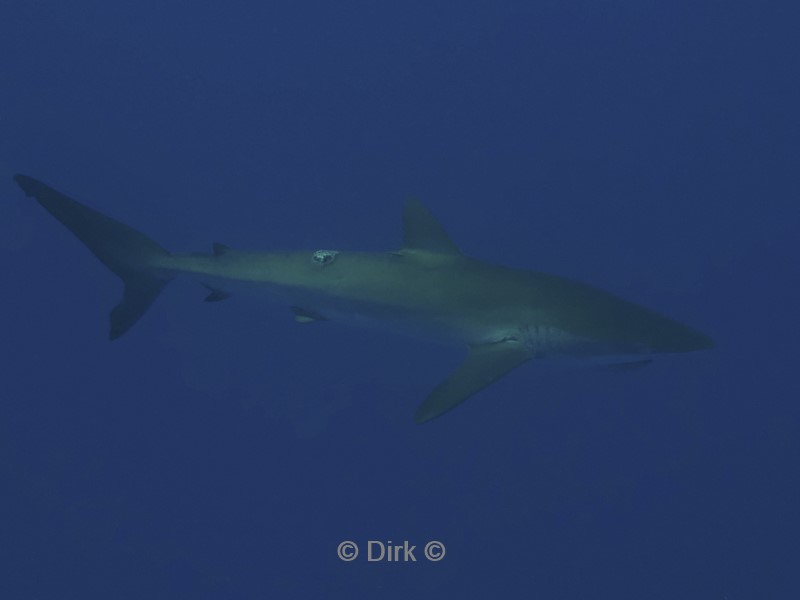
(504, 317)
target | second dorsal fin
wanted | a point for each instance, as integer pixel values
(220, 249)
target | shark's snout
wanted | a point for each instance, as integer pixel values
(681, 338)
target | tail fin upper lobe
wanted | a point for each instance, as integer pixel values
(128, 253)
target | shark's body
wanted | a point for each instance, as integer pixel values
(504, 316)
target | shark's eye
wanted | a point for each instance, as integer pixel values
(323, 257)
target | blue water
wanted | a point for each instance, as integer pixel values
(224, 451)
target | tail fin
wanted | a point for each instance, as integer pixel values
(128, 253)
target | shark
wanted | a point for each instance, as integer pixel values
(504, 317)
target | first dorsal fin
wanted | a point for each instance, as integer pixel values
(422, 232)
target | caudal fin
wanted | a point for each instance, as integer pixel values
(129, 254)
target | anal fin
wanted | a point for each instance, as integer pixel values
(632, 365)
(484, 365)
(216, 295)
(302, 315)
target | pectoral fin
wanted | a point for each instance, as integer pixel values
(484, 365)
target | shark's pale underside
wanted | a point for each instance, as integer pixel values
(503, 316)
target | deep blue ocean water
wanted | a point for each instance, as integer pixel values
(650, 148)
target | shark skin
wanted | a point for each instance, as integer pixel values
(428, 288)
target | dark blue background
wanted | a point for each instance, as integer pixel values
(222, 451)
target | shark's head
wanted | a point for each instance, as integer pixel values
(593, 323)
(634, 340)
(676, 337)
(647, 332)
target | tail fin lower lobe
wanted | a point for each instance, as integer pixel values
(128, 253)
